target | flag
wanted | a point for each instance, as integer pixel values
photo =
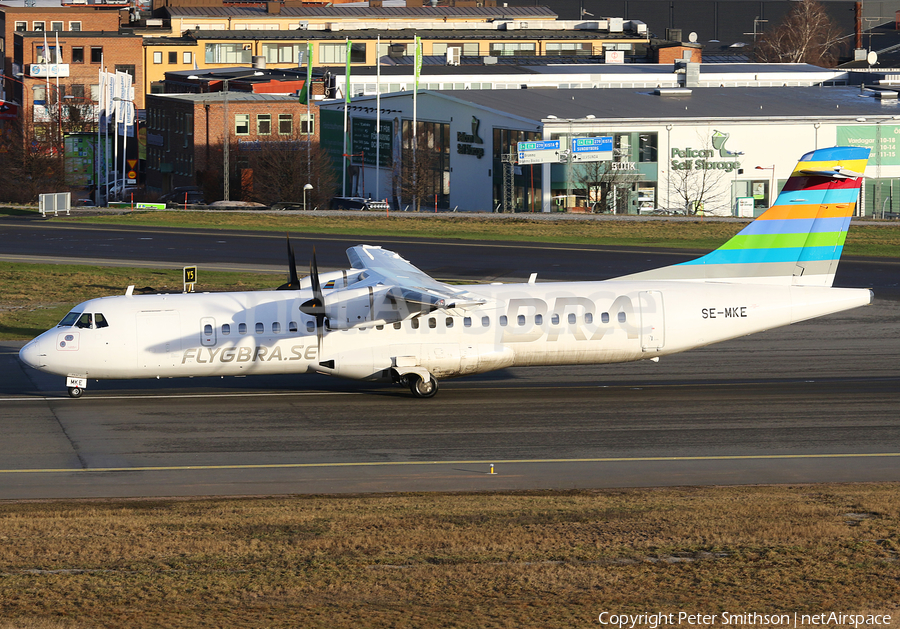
(418, 60)
(304, 93)
(347, 74)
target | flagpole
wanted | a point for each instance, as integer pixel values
(377, 114)
(98, 154)
(309, 120)
(346, 113)
(417, 67)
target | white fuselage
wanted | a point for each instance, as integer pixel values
(265, 332)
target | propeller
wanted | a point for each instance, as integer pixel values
(315, 307)
(293, 280)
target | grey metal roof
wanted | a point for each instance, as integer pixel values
(408, 34)
(233, 97)
(707, 102)
(357, 12)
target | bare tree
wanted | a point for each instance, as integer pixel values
(606, 185)
(281, 169)
(701, 184)
(806, 35)
(30, 163)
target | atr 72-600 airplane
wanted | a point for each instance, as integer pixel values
(385, 320)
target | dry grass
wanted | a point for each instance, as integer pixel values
(881, 239)
(427, 560)
(34, 297)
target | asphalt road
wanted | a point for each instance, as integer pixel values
(817, 401)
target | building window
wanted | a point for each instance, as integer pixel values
(227, 53)
(157, 57)
(281, 53)
(96, 54)
(21, 27)
(173, 57)
(187, 58)
(285, 124)
(242, 124)
(75, 26)
(512, 49)
(77, 54)
(337, 53)
(127, 69)
(470, 49)
(569, 49)
(438, 49)
(307, 123)
(56, 26)
(264, 124)
(77, 91)
(37, 26)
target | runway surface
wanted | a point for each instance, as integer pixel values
(817, 401)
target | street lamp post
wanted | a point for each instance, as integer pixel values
(305, 188)
(226, 149)
(772, 191)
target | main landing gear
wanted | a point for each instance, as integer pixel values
(422, 388)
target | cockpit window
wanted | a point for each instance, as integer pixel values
(84, 321)
(100, 321)
(69, 319)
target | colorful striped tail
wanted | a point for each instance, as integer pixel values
(799, 239)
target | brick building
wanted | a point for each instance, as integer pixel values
(186, 132)
(57, 20)
(78, 81)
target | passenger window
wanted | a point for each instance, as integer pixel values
(467, 322)
(604, 317)
(503, 320)
(276, 328)
(226, 329)
(260, 328)
(242, 328)
(538, 319)
(84, 321)
(571, 317)
(207, 330)
(414, 324)
(520, 320)
(588, 317)
(310, 326)
(432, 322)
(292, 326)
(449, 322)
(100, 321)
(397, 326)
(379, 327)
(621, 317)
(485, 322)
(554, 319)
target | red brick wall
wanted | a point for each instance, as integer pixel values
(670, 54)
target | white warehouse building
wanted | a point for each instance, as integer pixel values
(722, 150)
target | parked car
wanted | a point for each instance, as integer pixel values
(357, 203)
(190, 195)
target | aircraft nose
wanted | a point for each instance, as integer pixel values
(31, 355)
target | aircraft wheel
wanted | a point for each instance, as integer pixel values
(76, 392)
(422, 388)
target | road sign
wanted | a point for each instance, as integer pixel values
(592, 149)
(538, 152)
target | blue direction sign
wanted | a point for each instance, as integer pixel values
(592, 149)
(538, 152)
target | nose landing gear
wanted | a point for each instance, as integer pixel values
(75, 392)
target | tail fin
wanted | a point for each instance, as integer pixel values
(798, 241)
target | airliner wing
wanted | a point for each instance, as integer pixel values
(406, 282)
